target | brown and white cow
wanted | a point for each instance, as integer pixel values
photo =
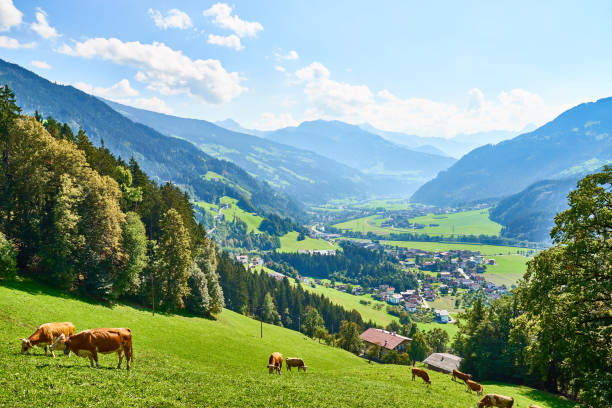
(275, 362)
(474, 386)
(89, 343)
(461, 376)
(45, 335)
(295, 362)
(419, 372)
(495, 400)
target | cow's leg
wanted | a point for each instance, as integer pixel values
(90, 361)
(94, 355)
(120, 353)
(45, 348)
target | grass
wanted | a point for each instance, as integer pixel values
(508, 270)
(186, 361)
(473, 222)
(253, 221)
(289, 243)
(446, 246)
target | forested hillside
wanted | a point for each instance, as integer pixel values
(163, 158)
(303, 174)
(577, 141)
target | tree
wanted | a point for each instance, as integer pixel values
(127, 276)
(373, 352)
(320, 333)
(349, 337)
(8, 258)
(437, 339)
(174, 262)
(419, 349)
(312, 321)
(269, 312)
(390, 357)
(206, 260)
(198, 300)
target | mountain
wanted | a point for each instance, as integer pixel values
(161, 157)
(456, 146)
(577, 141)
(234, 126)
(430, 150)
(303, 174)
(397, 170)
(529, 215)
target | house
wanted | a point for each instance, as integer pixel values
(443, 362)
(244, 259)
(411, 307)
(442, 316)
(386, 340)
(395, 299)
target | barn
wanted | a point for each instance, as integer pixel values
(443, 362)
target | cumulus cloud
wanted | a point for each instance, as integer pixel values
(121, 89)
(510, 110)
(279, 68)
(231, 41)
(165, 70)
(42, 27)
(8, 42)
(271, 121)
(40, 64)
(10, 16)
(175, 18)
(153, 104)
(223, 18)
(291, 55)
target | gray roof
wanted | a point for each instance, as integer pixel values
(444, 361)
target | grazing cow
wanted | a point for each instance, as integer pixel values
(45, 335)
(275, 362)
(295, 362)
(461, 376)
(419, 372)
(89, 343)
(474, 386)
(495, 400)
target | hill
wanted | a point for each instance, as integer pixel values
(301, 173)
(529, 215)
(163, 158)
(186, 361)
(577, 141)
(396, 170)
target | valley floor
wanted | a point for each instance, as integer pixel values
(185, 361)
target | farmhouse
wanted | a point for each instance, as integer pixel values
(386, 340)
(443, 362)
(442, 316)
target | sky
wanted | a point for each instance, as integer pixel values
(426, 68)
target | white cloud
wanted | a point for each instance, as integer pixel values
(231, 41)
(271, 121)
(175, 18)
(10, 16)
(165, 70)
(8, 42)
(223, 18)
(279, 68)
(40, 64)
(121, 89)
(291, 55)
(153, 104)
(42, 27)
(511, 110)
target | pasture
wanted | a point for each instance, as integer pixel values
(289, 243)
(507, 270)
(484, 249)
(186, 361)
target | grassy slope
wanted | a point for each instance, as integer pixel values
(289, 243)
(444, 246)
(181, 361)
(253, 221)
(464, 223)
(508, 269)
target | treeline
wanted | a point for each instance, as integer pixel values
(357, 265)
(556, 331)
(83, 220)
(407, 236)
(279, 302)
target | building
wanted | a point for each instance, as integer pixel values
(385, 339)
(395, 299)
(443, 362)
(442, 316)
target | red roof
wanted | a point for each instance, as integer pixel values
(383, 338)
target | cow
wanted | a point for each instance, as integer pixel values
(495, 400)
(461, 376)
(295, 362)
(275, 362)
(89, 343)
(45, 335)
(473, 386)
(419, 372)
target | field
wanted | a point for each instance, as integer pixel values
(446, 246)
(508, 270)
(253, 221)
(186, 361)
(474, 222)
(289, 243)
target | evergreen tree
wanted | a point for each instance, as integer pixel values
(127, 275)
(349, 337)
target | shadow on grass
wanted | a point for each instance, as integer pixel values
(551, 400)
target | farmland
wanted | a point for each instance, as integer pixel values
(187, 361)
(289, 243)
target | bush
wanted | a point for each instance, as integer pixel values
(8, 258)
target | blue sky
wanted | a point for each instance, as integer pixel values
(432, 69)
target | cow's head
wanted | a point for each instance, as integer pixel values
(60, 343)
(26, 344)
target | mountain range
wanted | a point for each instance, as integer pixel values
(576, 142)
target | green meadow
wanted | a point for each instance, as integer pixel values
(186, 361)
(290, 243)
(484, 249)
